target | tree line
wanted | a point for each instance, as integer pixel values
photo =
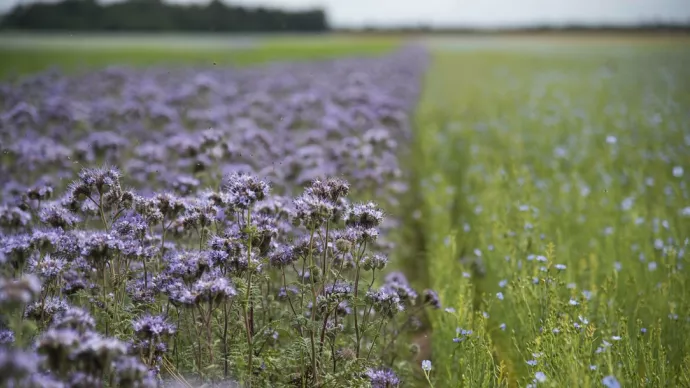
(675, 28)
(156, 15)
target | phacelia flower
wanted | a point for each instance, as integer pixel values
(153, 326)
(382, 378)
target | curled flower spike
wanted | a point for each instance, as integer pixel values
(245, 190)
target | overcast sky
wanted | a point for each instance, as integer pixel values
(478, 12)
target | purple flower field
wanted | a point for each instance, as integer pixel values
(173, 227)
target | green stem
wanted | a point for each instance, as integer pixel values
(313, 307)
(357, 333)
(250, 342)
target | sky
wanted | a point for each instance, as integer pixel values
(477, 13)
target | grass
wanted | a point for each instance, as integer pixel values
(528, 161)
(19, 60)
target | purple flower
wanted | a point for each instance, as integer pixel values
(338, 289)
(57, 345)
(187, 265)
(213, 287)
(245, 190)
(48, 267)
(400, 286)
(17, 364)
(46, 309)
(130, 372)
(141, 290)
(74, 318)
(375, 262)
(18, 292)
(131, 225)
(41, 380)
(283, 292)
(283, 256)
(95, 353)
(6, 337)
(153, 326)
(382, 378)
(366, 216)
(385, 301)
(79, 379)
(431, 298)
(312, 211)
(73, 282)
(58, 217)
(12, 217)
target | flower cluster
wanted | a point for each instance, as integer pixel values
(228, 249)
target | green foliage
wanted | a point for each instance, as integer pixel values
(531, 159)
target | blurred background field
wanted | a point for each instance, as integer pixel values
(27, 52)
(22, 53)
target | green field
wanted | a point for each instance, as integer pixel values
(550, 183)
(560, 181)
(23, 54)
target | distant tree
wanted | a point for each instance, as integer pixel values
(156, 15)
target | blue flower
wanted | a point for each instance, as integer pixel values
(540, 377)
(611, 382)
(677, 171)
(499, 295)
(426, 365)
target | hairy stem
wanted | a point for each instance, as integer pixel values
(357, 333)
(313, 306)
(250, 334)
(225, 339)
